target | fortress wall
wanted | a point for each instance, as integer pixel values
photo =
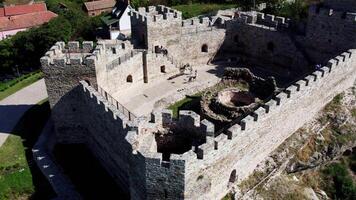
(328, 33)
(272, 20)
(263, 46)
(154, 63)
(164, 181)
(107, 139)
(188, 47)
(60, 67)
(142, 174)
(114, 78)
(62, 71)
(346, 5)
(244, 146)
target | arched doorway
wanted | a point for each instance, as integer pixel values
(129, 79)
(270, 46)
(204, 48)
(163, 69)
(236, 39)
(232, 178)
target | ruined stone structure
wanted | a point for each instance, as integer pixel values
(161, 157)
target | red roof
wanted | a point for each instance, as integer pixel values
(23, 9)
(25, 20)
(99, 5)
(2, 12)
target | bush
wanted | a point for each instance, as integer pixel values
(339, 182)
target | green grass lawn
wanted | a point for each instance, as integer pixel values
(16, 2)
(16, 181)
(192, 10)
(10, 87)
(188, 103)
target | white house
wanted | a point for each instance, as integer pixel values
(118, 21)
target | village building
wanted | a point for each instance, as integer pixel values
(94, 8)
(22, 17)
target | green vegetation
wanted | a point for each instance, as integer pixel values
(24, 49)
(14, 2)
(229, 196)
(15, 175)
(16, 181)
(196, 9)
(10, 87)
(338, 181)
(188, 103)
(353, 112)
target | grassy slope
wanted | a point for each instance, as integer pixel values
(16, 181)
(196, 9)
(18, 83)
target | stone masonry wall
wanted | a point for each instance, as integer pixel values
(344, 5)
(183, 39)
(247, 144)
(328, 33)
(63, 67)
(263, 45)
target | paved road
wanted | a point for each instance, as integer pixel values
(14, 106)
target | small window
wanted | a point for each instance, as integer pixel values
(204, 48)
(232, 178)
(163, 69)
(165, 194)
(129, 79)
(236, 39)
(87, 81)
(123, 45)
(270, 46)
(113, 50)
(157, 49)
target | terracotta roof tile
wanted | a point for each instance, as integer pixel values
(2, 12)
(25, 21)
(98, 5)
(24, 9)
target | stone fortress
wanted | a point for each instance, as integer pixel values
(153, 155)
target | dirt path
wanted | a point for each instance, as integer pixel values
(14, 106)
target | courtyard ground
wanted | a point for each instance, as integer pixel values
(141, 98)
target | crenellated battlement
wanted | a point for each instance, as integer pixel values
(105, 105)
(195, 25)
(158, 13)
(316, 10)
(259, 18)
(272, 20)
(244, 128)
(72, 54)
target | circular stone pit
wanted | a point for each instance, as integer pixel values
(232, 97)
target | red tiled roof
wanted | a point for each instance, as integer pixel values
(25, 21)
(24, 9)
(2, 12)
(98, 5)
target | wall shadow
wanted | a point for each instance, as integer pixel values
(29, 127)
(86, 173)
